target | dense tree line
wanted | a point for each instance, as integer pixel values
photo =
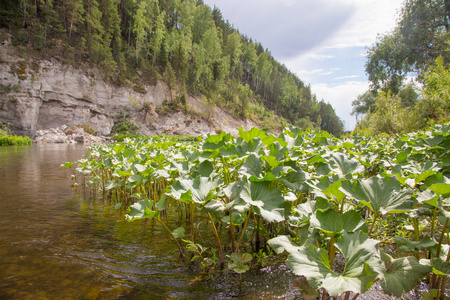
(185, 42)
(417, 47)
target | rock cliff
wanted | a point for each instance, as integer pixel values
(40, 94)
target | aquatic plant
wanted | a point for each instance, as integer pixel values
(325, 201)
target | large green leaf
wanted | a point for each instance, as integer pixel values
(252, 166)
(331, 222)
(440, 188)
(297, 180)
(401, 274)
(142, 209)
(381, 195)
(423, 170)
(283, 243)
(360, 255)
(440, 267)
(329, 188)
(305, 235)
(344, 165)
(414, 246)
(198, 190)
(266, 201)
(307, 291)
(302, 212)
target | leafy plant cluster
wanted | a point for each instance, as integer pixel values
(6, 139)
(328, 202)
(184, 42)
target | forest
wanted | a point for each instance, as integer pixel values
(183, 42)
(408, 73)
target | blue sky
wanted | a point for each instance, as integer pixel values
(322, 41)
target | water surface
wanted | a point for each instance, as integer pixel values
(57, 242)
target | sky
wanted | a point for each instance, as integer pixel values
(323, 42)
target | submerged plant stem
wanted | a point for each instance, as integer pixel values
(243, 231)
(173, 237)
(216, 235)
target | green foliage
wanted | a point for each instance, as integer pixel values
(313, 188)
(420, 37)
(418, 46)
(389, 113)
(87, 128)
(436, 93)
(125, 126)
(6, 139)
(239, 262)
(389, 117)
(360, 255)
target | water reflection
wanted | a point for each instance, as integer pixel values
(57, 244)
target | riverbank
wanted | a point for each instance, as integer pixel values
(68, 135)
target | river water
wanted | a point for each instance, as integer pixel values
(56, 242)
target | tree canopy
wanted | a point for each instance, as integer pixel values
(419, 38)
(417, 47)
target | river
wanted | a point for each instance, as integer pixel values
(57, 242)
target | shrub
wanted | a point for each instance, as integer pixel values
(125, 126)
(15, 140)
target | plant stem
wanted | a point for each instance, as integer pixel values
(324, 294)
(356, 296)
(416, 228)
(258, 242)
(173, 237)
(435, 279)
(342, 206)
(347, 295)
(373, 223)
(416, 234)
(438, 251)
(433, 220)
(216, 235)
(443, 284)
(331, 250)
(191, 216)
(232, 231)
(243, 230)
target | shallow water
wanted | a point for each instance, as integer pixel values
(58, 243)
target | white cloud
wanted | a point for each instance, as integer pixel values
(372, 17)
(306, 75)
(316, 56)
(341, 97)
(346, 77)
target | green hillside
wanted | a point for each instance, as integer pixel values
(185, 43)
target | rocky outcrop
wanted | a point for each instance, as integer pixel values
(42, 94)
(68, 135)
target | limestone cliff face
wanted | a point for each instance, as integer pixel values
(42, 94)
